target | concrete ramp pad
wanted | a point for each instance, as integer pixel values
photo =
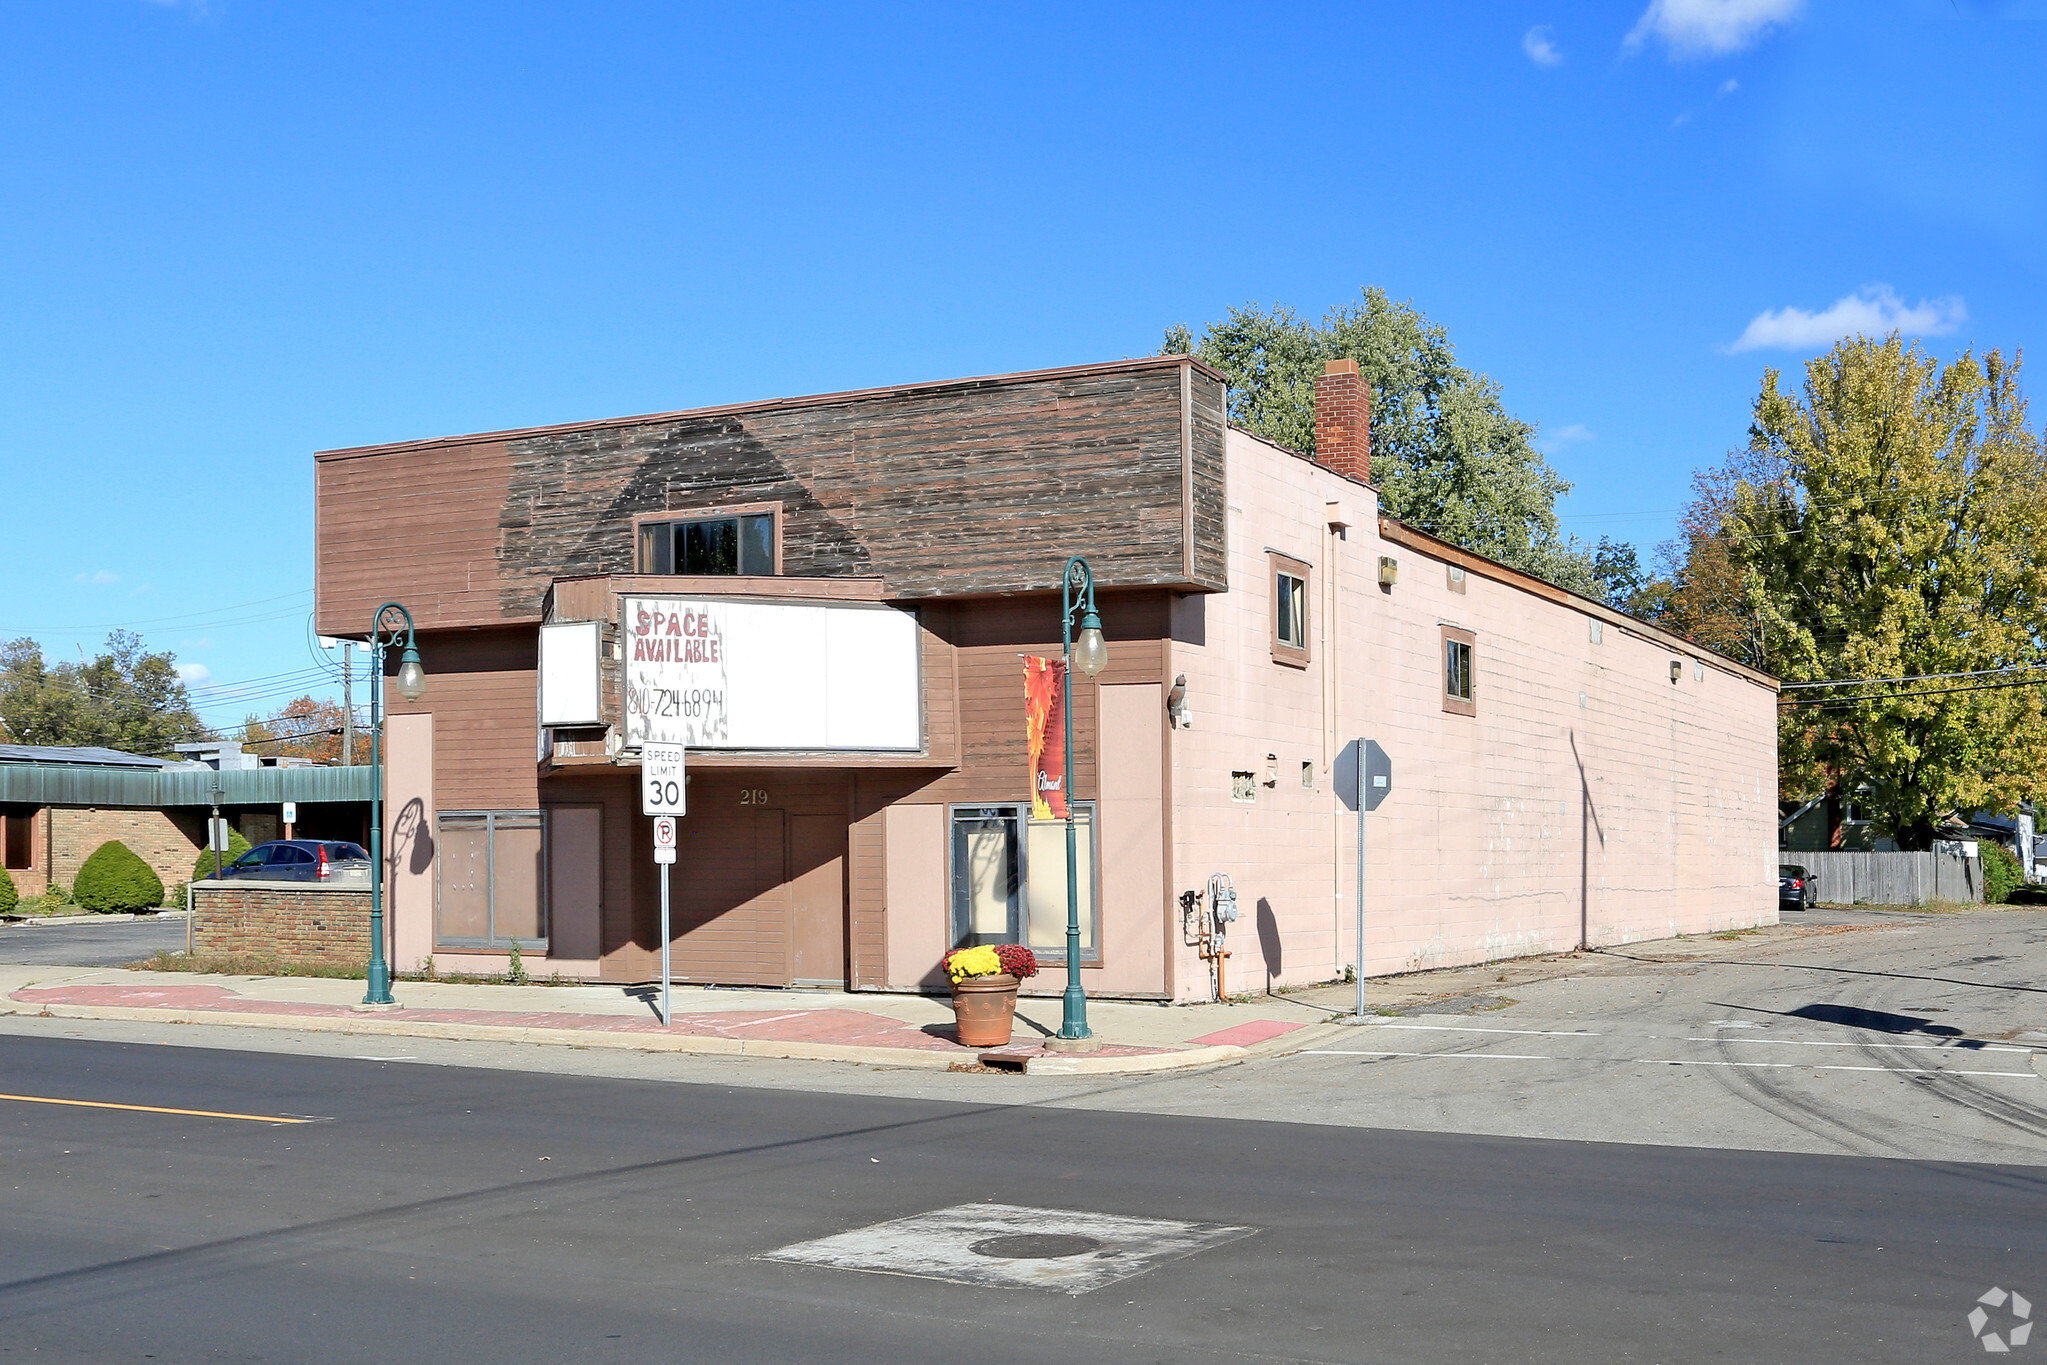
(1010, 1246)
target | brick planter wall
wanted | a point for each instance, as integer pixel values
(288, 921)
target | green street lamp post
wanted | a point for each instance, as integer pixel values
(411, 686)
(1077, 597)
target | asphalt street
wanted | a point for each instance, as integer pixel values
(85, 944)
(458, 1214)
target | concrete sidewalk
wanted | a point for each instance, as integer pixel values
(820, 1025)
(871, 1029)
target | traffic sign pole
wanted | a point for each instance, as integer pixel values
(1364, 778)
(664, 856)
(663, 795)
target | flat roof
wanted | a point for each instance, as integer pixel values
(766, 404)
(82, 755)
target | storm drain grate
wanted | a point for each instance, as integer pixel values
(1009, 1245)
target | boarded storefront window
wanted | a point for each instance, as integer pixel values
(1009, 879)
(491, 871)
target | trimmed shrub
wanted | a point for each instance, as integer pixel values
(2002, 871)
(236, 847)
(9, 895)
(114, 880)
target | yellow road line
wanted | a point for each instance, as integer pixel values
(153, 1109)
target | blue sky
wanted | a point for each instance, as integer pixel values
(239, 231)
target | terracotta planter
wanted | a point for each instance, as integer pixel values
(985, 1007)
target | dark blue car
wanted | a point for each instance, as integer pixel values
(302, 860)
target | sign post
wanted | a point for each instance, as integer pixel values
(663, 795)
(1364, 778)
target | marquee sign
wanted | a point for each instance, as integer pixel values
(711, 673)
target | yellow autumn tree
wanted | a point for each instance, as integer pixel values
(1889, 521)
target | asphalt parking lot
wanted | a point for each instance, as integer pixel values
(86, 943)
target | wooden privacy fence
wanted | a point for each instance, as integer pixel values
(1891, 878)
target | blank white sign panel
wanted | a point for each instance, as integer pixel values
(568, 673)
(707, 673)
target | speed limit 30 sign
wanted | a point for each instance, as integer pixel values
(662, 789)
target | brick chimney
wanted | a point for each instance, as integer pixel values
(1343, 420)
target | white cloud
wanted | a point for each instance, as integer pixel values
(1541, 49)
(1558, 438)
(1728, 87)
(1873, 310)
(1707, 28)
(99, 579)
(194, 674)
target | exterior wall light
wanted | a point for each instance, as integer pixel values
(1389, 571)
(1677, 669)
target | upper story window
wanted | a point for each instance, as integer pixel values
(1460, 692)
(740, 542)
(1289, 578)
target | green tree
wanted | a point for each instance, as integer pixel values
(126, 698)
(1890, 522)
(236, 847)
(1447, 456)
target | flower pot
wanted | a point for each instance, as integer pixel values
(985, 1007)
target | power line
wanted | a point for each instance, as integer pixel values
(1910, 677)
(1827, 703)
(157, 620)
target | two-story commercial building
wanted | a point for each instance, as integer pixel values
(830, 600)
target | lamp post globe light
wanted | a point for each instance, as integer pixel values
(411, 686)
(1090, 653)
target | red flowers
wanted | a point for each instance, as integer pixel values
(1017, 960)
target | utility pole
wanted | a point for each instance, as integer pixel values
(348, 703)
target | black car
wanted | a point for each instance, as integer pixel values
(1797, 889)
(302, 860)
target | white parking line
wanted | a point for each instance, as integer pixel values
(1460, 1056)
(1662, 1061)
(1466, 1028)
(1822, 1066)
(1901, 1047)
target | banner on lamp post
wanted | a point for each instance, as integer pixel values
(1044, 698)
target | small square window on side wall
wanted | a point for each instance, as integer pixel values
(1243, 786)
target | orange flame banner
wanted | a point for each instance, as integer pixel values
(1044, 692)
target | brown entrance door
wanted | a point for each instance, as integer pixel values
(730, 898)
(817, 889)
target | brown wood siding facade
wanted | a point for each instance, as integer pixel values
(959, 489)
(482, 688)
(979, 643)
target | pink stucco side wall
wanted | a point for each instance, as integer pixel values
(1589, 800)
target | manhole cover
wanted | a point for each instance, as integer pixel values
(1034, 1246)
(1069, 1250)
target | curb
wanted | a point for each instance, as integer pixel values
(1055, 1064)
(11, 920)
(911, 1058)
